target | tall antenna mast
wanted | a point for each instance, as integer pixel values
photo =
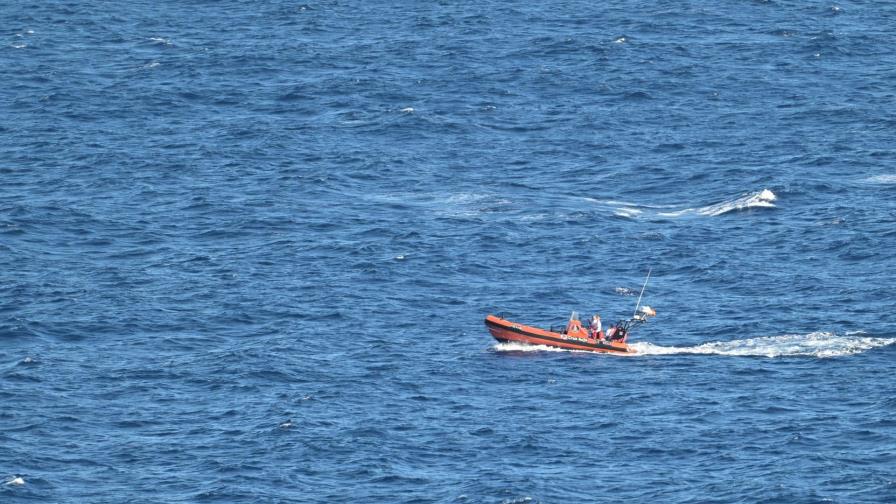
(642, 292)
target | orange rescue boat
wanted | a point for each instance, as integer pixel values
(571, 337)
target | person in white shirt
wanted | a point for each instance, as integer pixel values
(596, 332)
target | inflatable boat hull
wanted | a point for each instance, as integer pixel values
(506, 331)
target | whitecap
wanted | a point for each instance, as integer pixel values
(628, 212)
(677, 213)
(763, 198)
(407, 110)
(882, 179)
(816, 344)
(15, 481)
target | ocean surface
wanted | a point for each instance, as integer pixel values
(246, 251)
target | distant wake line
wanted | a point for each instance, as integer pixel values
(816, 344)
(761, 199)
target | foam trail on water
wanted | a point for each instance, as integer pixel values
(816, 344)
(523, 347)
(617, 204)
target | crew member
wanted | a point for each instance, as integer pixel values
(616, 334)
(611, 333)
(596, 327)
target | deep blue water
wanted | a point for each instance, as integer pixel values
(219, 216)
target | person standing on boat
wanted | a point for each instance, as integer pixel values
(596, 327)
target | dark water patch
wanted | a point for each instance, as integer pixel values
(636, 96)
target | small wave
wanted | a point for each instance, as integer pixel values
(762, 199)
(624, 291)
(816, 344)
